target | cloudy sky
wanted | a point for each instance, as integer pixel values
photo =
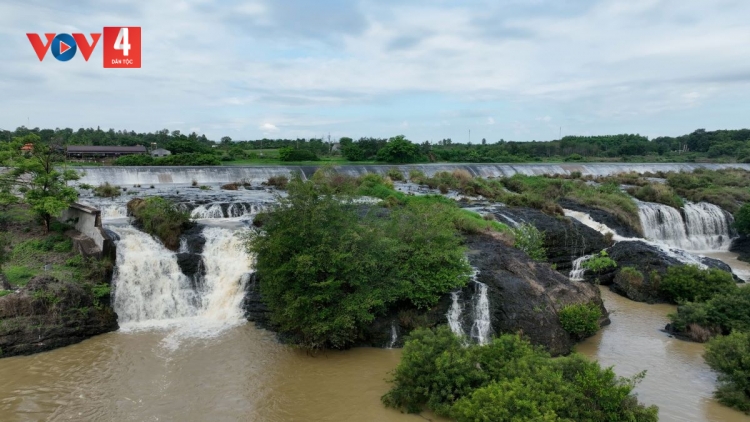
(432, 69)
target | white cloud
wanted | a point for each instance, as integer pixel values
(490, 121)
(269, 128)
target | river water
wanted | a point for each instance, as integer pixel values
(677, 379)
(242, 375)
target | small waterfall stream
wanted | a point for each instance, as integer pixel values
(481, 324)
(576, 273)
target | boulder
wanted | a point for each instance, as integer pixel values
(741, 245)
(525, 296)
(565, 239)
(646, 259)
(255, 309)
(48, 313)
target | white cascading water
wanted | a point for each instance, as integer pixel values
(151, 291)
(214, 211)
(114, 211)
(706, 226)
(454, 314)
(227, 261)
(148, 283)
(481, 328)
(394, 335)
(576, 273)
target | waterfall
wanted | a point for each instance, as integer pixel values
(576, 274)
(114, 211)
(708, 226)
(705, 227)
(151, 291)
(663, 224)
(148, 283)
(481, 326)
(394, 335)
(480, 329)
(454, 314)
(214, 211)
(226, 260)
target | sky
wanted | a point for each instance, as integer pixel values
(466, 70)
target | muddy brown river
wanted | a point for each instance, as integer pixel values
(244, 375)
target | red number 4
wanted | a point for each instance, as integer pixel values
(122, 47)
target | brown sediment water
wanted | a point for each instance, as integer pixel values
(677, 379)
(242, 375)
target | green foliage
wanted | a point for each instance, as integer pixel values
(659, 193)
(508, 380)
(399, 150)
(395, 174)
(291, 154)
(580, 320)
(530, 240)
(186, 159)
(599, 263)
(160, 217)
(34, 175)
(5, 293)
(726, 188)
(722, 314)
(279, 182)
(106, 190)
(730, 357)
(688, 283)
(742, 220)
(5, 252)
(328, 266)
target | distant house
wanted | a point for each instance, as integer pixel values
(160, 152)
(90, 151)
(28, 148)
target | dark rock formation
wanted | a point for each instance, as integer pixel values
(191, 260)
(602, 217)
(648, 260)
(525, 296)
(48, 313)
(255, 309)
(565, 239)
(741, 245)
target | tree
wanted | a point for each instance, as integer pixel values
(730, 357)
(43, 186)
(399, 150)
(742, 220)
(226, 140)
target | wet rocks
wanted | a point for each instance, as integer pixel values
(48, 313)
(255, 309)
(565, 239)
(526, 296)
(741, 245)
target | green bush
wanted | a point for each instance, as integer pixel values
(291, 154)
(742, 220)
(395, 174)
(688, 283)
(106, 190)
(508, 380)
(328, 265)
(722, 314)
(729, 357)
(599, 263)
(581, 320)
(160, 218)
(5, 292)
(659, 193)
(530, 240)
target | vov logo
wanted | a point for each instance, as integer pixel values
(122, 46)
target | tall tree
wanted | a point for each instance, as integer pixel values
(34, 174)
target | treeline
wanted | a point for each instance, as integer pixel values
(701, 144)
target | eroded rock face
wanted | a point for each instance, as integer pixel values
(565, 239)
(190, 259)
(48, 313)
(525, 296)
(741, 245)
